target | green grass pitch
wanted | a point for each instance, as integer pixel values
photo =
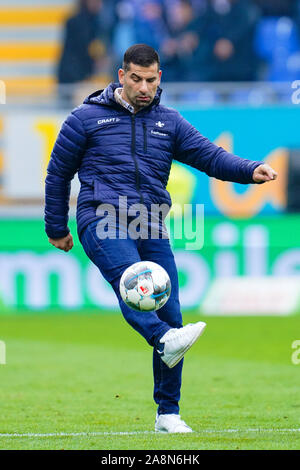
(89, 376)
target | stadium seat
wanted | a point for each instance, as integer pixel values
(30, 43)
(274, 34)
(276, 42)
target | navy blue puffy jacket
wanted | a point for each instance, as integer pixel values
(117, 153)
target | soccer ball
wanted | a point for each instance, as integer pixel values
(145, 286)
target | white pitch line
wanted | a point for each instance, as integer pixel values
(134, 433)
(75, 434)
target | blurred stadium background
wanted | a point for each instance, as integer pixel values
(232, 68)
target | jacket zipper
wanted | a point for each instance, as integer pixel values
(136, 165)
(145, 137)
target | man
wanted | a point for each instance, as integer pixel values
(226, 33)
(122, 143)
(82, 33)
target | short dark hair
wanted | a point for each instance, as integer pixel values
(140, 54)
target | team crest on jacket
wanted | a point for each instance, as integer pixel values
(108, 120)
(160, 124)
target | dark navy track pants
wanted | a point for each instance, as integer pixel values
(112, 257)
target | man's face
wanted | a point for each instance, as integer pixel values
(140, 84)
(94, 6)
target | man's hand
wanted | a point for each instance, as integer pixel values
(264, 173)
(65, 243)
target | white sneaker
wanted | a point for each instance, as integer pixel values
(177, 341)
(171, 423)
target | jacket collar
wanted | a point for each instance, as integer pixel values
(107, 97)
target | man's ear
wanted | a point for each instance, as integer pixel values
(159, 74)
(121, 75)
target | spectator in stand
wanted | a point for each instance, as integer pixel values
(139, 21)
(179, 50)
(83, 45)
(149, 23)
(124, 35)
(296, 14)
(198, 6)
(226, 41)
(107, 18)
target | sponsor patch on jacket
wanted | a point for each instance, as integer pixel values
(159, 133)
(108, 120)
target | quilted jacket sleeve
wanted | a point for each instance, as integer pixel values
(197, 151)
(64, 163)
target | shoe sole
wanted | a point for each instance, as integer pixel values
(161, 431)
(180, 355)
